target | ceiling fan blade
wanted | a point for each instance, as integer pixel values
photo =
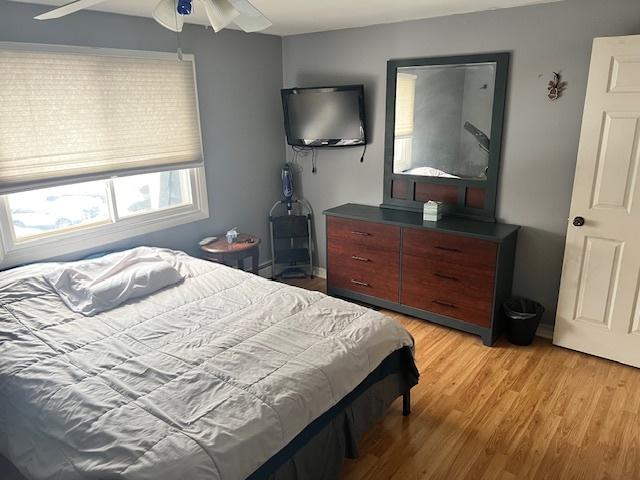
(250, 18)
(67, 9)
(165, 14)
(220, 13)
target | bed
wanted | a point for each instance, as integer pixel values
(224, 375)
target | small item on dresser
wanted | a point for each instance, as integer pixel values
(432, 211)
(232, 235)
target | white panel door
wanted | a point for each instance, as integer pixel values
(599, 305)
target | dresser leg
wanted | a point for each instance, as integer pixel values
(406, 404)
(487, 340)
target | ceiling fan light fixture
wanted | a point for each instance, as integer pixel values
(250, 19)
(220, 13)
(252, 23)
(184, 7)
(165, 15)
(170, 13)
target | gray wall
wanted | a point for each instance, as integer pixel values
(239, 81)
(541, 138)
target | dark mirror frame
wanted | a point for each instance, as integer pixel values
(465, 197)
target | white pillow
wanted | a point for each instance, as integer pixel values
(94, 286)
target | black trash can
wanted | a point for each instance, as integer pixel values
(523, 317)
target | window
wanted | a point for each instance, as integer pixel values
(42, 212)
(151, 192)
(405, 106)
(42, 223)
(405, 101)
(96, 146)
(52, 211)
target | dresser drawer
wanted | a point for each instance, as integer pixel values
(452, 290)
(451, 248)
(366, 271)
(354, 233)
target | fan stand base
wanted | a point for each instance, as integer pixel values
(292, 273)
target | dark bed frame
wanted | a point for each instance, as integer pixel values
(318, 452)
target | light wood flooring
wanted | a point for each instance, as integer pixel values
(504, 412)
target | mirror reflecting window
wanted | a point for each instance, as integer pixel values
(443, 117)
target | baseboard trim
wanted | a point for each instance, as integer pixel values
(320, 272)
(265, 270)
(545, 331)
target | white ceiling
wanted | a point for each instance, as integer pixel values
(290, 17)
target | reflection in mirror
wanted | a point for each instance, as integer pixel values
(443, 120)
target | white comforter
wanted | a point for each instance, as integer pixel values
(204, 380)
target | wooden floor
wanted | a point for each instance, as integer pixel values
(505, 413)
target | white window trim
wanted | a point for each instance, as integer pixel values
(32, 250)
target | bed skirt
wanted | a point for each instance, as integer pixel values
(318, 452)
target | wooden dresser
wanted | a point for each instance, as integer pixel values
(455, 272)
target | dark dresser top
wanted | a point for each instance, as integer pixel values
(461, 226)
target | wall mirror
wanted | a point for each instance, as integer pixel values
(444, 130)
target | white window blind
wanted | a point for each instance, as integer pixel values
(70, 113)
(405, 104)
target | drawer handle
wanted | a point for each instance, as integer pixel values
(445, 276)
(362, 234)
(360, 259)
(448, 249)
(444, 304)
(358, 282)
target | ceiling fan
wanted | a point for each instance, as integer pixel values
(171, 13)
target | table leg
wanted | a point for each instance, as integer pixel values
(215, 259)
(255, 259)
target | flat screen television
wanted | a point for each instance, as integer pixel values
(324, 116)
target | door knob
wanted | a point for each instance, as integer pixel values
(578, 221)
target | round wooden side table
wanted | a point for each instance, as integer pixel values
(234, 254)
